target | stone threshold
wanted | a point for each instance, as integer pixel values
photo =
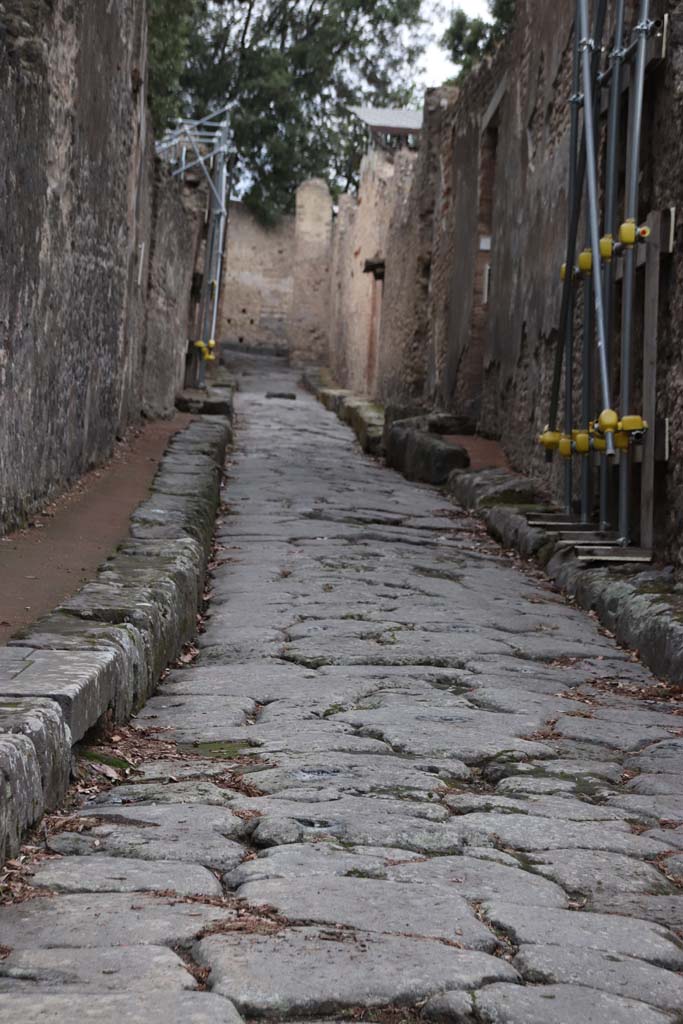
(100, 654)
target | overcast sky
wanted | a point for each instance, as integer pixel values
(437, 66)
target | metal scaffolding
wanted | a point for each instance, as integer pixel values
(205, 144)
(609, 433)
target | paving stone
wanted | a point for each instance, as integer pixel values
(195, 718)
(135, 968)
(596, 873)
(372, 905)
(152, 1007)
(100, 873)
(165, 771)
(562, 808)
(191, 791)
(609, 972)
(559, 1004)
(195, 833)
(474, 879)
(664, 910)
(105, 920)
(611, 934)
(531, 832)
(307, 971)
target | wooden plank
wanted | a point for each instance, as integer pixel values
(650, 318)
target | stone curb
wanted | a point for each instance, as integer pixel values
(366, 418)
(643, 608)
(101, 653)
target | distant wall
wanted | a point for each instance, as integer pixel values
(359, 240)
(76, 210)
(257, 282)
(309, 309)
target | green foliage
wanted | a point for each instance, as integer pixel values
(467, 39)
(171, 25)
(289, 69)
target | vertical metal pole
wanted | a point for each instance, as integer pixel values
(573, 201)
(566, 308)
(611, 224)
(587, 396)
(222, 191)
(587, 46)
(631, 213)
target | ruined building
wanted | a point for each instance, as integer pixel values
(445, 286)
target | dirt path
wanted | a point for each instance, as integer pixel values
(47, 562)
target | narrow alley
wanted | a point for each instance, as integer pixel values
(403, 775)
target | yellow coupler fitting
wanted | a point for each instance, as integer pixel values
(565, 447)
(582, 442)
(206, 350)
(550, 439)
(607, 247)
(585, 261)
(608, 421)
(628, 233)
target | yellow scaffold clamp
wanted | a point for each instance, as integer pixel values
(626, 431)
(607, 248)
(630, 233)
(585, 261)
(206, 349)
(566, 446)
(550, 439)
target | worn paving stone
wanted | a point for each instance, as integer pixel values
(105, 920)
(100, 873)
(559, 1004)
(186, 832)
(473, 878)
(609, 972)
(598, 873)
(153, 1007)
(611, 934)
(372, 905)
(307, 971)
(133, 968)
(190, 791)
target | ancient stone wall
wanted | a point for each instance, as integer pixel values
(309, 310)
(472, 291)
(177, 227)
(76, 199)
(257, 282)
(358, 257)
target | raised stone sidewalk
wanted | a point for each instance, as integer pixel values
(410, 782)
(102, 652)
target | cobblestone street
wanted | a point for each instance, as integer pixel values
(412, 782)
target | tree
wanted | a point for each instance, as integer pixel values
(289, 69)
(467, 39)
(171, 26)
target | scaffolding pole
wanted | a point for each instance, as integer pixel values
(611, 224)
(642, 31)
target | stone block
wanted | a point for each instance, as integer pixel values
(21, 791)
